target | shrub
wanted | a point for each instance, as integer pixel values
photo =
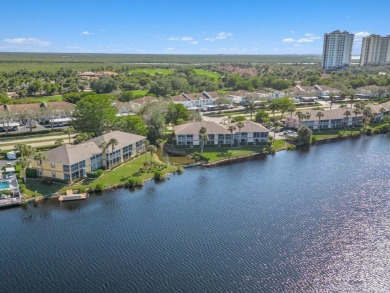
(158, 175)
(291, 147)
(31, 173)
(99, 187)
(22, 187)
(179, 169)
(95, 174)
(133, 182)
(369, 131)
(81, 190)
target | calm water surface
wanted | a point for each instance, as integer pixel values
(315, 221)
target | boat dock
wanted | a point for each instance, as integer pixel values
(11, 201)
(70, 196)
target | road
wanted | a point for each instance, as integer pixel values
(5, 145)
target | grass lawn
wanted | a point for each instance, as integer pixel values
(153, 71)
(41, 189)
(48, 99)
(334, 133)
(215, 153)
(139, 93)
(210, 74)
(123, 173)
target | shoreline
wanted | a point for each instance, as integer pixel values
(222, 162)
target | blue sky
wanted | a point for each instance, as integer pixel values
(185, 27)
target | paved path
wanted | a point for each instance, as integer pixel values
(5, 145)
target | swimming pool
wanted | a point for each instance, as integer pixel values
(4, 185)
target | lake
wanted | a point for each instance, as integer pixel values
(298, 221)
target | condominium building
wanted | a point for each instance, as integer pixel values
(337, 49)
(375, 50)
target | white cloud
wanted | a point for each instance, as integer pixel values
(305, 40)
(209, 39)
(169, 49)
(194, 42)
(308, 35)
(288, 40)
(293, 32)
(85, 33)
(27, 41)
(223, 35)
(186, 39)
(361, 35)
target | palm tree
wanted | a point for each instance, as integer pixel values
(382, 111)
(69, 131)
(367, 113)
(40, 157)
(151, 149)
(103, 145)
(203, 137)
(356, 111)
(273, 107)
(300, 116)
(112, 142)
(240, 125)
(331, 99)
(59, 142)
(291, 109)
(231, 129)
(307, 115)
(24, 163)
(250, 107)
(319, 115)
(146, 143)
(346, 114)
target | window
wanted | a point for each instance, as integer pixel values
(53, 174)
(66, 177)
(75, 167)
(81, 164)
(66, 168)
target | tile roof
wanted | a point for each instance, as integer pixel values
(194, 127)
(70, 154)
(215, 128)
(144, 100)
(18, 108)
(250, 126)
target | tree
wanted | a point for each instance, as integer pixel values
(331, 99)
(304, 134)
(319, 115)
(356, 111)
(367, 114)
(291, 109)
(132, 124)
(94, 114)
(346, 114)
(40, 157)
(146, 143)
(105, 85)
(112, 142)
(203, 137)
(261, 116)
(175, 113)
(231, 129)
(6, 120)
(103, 145)
(307, 116)
(239, 125)
(151, 149)
(273, 107)
(30, 118)
(69, 131)
(250, 107)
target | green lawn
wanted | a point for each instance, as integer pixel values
(210, 74)
(323, 134)
(153, 71)
(139, 93)
(48, 99)
(36, 188)
(127, 171)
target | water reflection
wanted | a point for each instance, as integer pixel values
(315, 221)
